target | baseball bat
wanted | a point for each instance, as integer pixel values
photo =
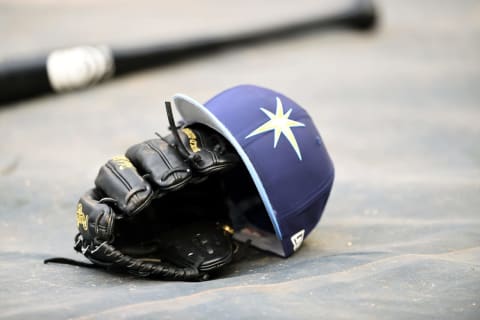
(84, 66)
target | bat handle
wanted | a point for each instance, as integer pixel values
(23, 79)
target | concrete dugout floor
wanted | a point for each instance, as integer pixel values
(398, 110)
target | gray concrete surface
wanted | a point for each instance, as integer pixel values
(398, 109)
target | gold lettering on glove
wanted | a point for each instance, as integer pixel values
(192, 139)
(122, 162)
(82, 218)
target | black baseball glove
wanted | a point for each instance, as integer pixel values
(159, 211)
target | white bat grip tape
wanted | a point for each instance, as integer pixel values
(79, 67)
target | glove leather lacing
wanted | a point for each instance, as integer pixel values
(135, 266)
(191, 156)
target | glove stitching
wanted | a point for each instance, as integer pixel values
(213, 165)
(133, 192)
(163, 157)
(119, 176)
(97, 223)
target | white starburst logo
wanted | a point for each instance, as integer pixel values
(281, 124)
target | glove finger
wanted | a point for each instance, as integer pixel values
(165, 167)
(209, 151)
(95, 220)
(120, 180)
